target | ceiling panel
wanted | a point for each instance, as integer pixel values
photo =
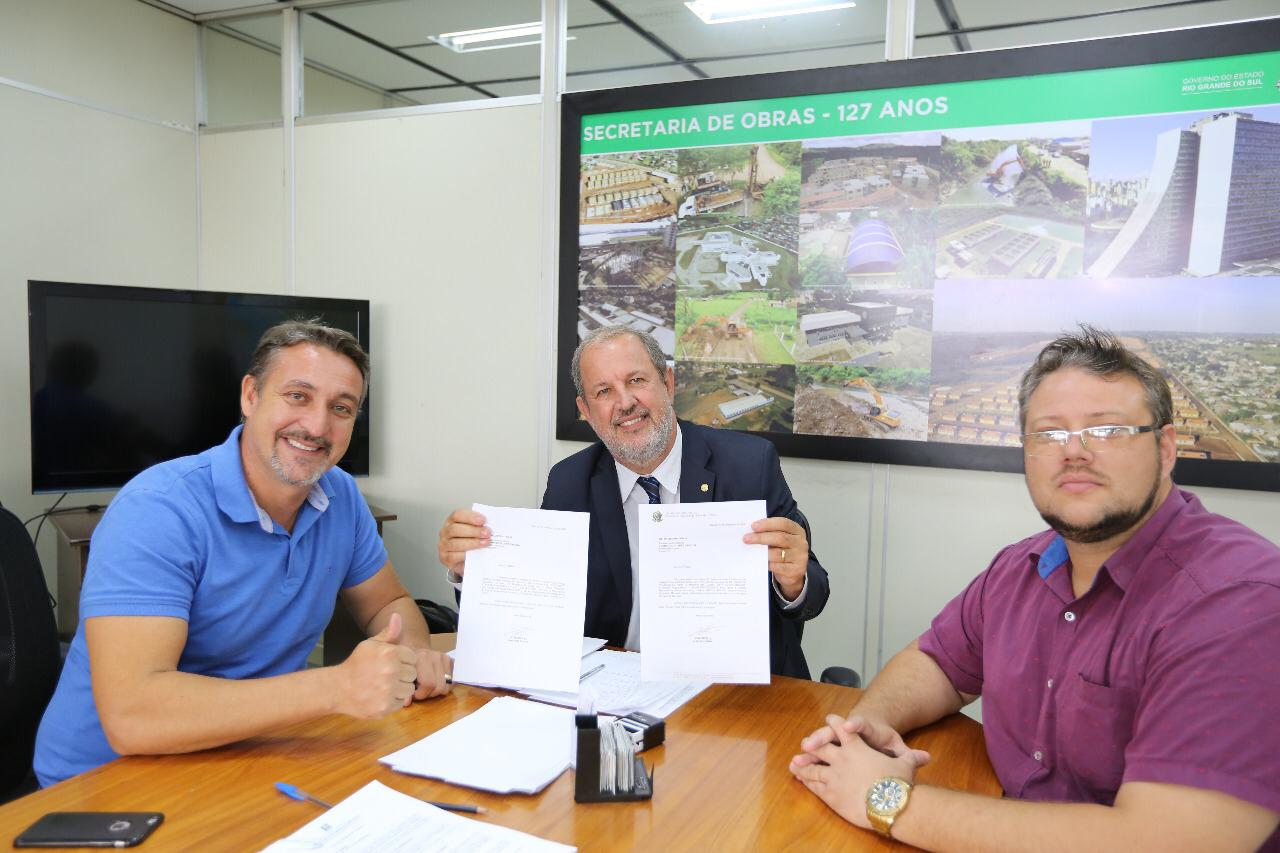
(794, 61)
(618, 79)
(501, 64)
(614, 46)
(411, 22)
(262, 28)
(684, 32)
(345, 53)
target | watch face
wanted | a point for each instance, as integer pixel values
(886, 796)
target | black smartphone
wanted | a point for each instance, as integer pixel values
(89, 829)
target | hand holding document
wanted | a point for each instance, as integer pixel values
(704, 607)
(379, 819)
(508, 746)
(524, 601)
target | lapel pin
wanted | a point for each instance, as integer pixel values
(705, 487)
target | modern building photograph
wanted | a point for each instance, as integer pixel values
(1193, 194)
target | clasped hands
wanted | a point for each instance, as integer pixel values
(844, 758)
(381, 675)
(464, 530)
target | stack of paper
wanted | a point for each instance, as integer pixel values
(507, 746)
(619, 690)
(379, 819)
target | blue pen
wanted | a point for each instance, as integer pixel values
(298, 794)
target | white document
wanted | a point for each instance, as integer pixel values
(704, 594)
(508, 746)
(378, 819)
(619, 690)
(524, 600)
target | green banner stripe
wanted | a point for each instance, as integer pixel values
(1233, 81)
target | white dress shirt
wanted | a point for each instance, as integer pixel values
(633, 498)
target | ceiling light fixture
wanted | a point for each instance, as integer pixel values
(727, 11)
(492, 38)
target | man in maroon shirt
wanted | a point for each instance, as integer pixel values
(1129, 658)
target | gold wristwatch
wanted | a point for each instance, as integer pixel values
(886, 799)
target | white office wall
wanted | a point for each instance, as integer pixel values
(243, 205)
(435, 219)
(87, 195)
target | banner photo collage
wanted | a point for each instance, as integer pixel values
(885, 264)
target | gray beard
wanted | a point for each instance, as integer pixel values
(645, 454)
(308, 481)
(1111, 524)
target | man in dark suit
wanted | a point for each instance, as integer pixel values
(625, 391)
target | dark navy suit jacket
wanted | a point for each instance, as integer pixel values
(735, 467)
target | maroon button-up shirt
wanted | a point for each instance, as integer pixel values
(1166, 670)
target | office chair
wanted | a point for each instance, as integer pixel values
(841, 675)
(30, 655)
(441, 618)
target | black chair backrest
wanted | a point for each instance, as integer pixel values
(441, 618)
(29, 652)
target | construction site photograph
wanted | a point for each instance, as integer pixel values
(874, 328)
(626, 256)
(1192, 194)
(862, 402)
(867, 249)
(751, 397)
(755, 328)
(1219, 349)
(625, 188)
(893, 170)
(1013, 201)
(749, 255)
(739, 181)
(643, 309)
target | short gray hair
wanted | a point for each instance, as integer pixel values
(293, 332)
(608, 333)
(1101, 354)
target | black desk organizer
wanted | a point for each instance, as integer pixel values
(587, 776)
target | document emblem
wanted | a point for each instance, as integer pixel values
(657, 516)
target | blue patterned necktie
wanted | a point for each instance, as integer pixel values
(651, 488)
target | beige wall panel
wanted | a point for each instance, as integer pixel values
(435, 219)
(88, 197)
(242, 205)
(120, 54)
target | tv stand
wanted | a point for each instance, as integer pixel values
(75, 529)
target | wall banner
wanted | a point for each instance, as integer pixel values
(860, 263)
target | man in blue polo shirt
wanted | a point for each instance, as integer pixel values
(211, 578)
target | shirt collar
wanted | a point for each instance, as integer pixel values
(1124, 563)
(232, 493)
(667, 473)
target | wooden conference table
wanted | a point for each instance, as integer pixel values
(721, 780)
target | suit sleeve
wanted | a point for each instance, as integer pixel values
(781, 503)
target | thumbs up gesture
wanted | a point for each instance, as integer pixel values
(378, 677)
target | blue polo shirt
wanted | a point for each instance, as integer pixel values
(186, 539)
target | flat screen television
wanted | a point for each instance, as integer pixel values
(125, 377)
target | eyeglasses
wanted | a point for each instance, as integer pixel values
(1095, 439)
